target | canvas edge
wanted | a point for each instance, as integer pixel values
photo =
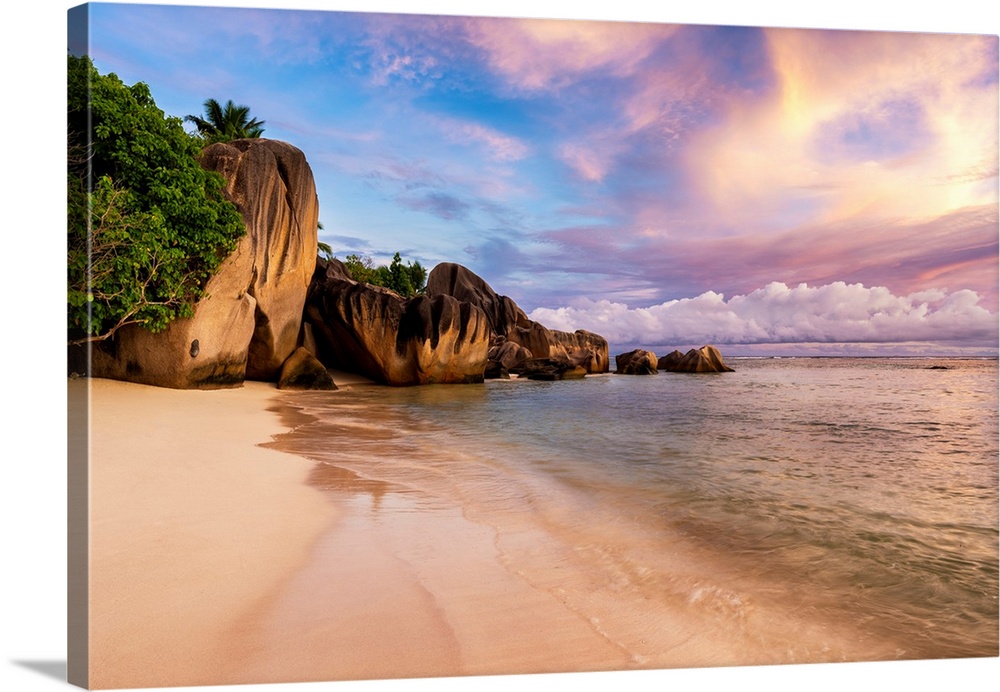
(78, 463)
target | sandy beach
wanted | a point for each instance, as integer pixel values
(220, 555)
(212, 561)
(191, 525)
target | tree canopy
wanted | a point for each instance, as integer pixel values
(226, 123)
(147, 225)
(405, 279)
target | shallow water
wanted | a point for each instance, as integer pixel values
(794, 510)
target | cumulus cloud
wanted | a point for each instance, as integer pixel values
(778, 314)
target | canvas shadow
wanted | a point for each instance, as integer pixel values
(49, 668)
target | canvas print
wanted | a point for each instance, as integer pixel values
(412, 346)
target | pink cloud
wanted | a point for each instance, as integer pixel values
(536, 54)
(767, 154)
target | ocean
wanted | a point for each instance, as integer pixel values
(795, 510)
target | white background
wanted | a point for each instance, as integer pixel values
(32, 289)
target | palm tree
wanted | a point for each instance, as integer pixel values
(226, 123)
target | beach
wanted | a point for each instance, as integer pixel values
(252, 535)
(191, 525)
(204, 568)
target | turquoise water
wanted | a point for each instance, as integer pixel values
(845, 508)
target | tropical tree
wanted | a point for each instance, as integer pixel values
(147, 225)
(405, 279)
(226, 123)
(323, 249)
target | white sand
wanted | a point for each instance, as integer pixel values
(212, 562)
(191, 524)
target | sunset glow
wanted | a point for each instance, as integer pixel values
(662, 183)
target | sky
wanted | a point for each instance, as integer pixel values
(769, 190)
(34, 608)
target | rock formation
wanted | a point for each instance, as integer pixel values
(669, 362)
(552, 369)
(637, 362)
(584, 348)
(509, 323)
(249, 320)
(422, 340)
(302, 371)
(704, 359)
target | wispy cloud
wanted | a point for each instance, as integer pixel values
(540, 54)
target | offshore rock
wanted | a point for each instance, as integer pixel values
(669, 362)
(637, 362)
(585, 348)
(377, 333)
(704, 359)
(552, 369)
(510, 324)
(248, 322)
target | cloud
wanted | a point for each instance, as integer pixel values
(958, 250)
(870, 124)
(442, 205)
(778, 314)
(497, 145)
(541, 54)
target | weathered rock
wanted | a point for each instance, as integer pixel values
(302, 371)
(552, 369)
(670, 361)
(495, 371)
(585, 348)
(509, 322)
(637, 362)
(459, 282)
(248, 322)
(704, 359)
(511, 356)
(272, 185)
(423, 340)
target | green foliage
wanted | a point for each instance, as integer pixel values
(324, 249)
(147, 225)
(405, 279)
(226, 123)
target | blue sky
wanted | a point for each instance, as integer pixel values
(666, 185)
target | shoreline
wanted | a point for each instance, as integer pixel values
(216, 558)
(368, 579)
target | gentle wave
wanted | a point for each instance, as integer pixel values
(859, 493)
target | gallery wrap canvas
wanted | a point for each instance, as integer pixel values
(440, 347)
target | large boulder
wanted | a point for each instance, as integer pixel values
(303, 371)
(704, 359)
(272, 185)
(584, 348)
(377, 333)
(509, 323)
(509, 355)
(459, 282)
(248, 322)
(637, 362)
(669, 362)
(552, 369)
